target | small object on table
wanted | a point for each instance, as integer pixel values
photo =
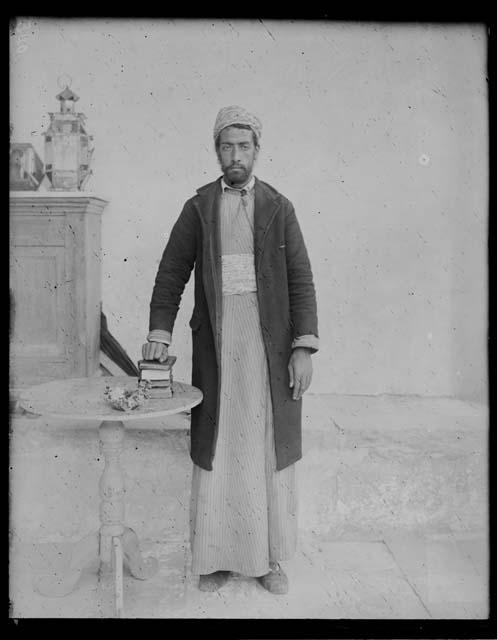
(124, 399)
(156, 378)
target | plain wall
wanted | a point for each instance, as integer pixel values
(376, 132)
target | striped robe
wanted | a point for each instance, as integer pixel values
(243, 513)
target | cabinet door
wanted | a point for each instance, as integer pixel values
(38, 318)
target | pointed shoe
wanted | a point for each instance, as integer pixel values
(213, 581)
(275, 581)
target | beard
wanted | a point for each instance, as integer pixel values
(236, 174)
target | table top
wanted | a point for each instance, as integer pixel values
(83, 399)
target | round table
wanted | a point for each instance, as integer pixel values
(114, 544)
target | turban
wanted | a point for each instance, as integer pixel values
(228, 116)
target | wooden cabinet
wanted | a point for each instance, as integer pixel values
(55, 283)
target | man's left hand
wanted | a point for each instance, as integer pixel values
(300, 371)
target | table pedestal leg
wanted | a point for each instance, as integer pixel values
(118, 581)
(139, 567)
(115, 544)
(111, 487)
(112, 509)
(118, 544)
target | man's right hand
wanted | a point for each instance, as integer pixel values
(154, 351)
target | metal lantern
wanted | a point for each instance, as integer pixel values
(68, 147)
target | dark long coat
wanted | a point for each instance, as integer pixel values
(287, 307)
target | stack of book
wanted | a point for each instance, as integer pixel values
(157, 377)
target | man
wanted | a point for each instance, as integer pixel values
(254, 327)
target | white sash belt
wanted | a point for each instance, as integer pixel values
(238, 273)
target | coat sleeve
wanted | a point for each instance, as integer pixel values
(174, 271)
(302, 294)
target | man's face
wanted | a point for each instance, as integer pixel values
(237, 154)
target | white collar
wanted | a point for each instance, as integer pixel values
(247, 187)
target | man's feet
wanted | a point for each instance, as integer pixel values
(275, 581)
(213, 581)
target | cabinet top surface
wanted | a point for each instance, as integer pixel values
(55, 195)
(83, 399)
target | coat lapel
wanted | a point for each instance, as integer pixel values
(207, 206)
(266, 205)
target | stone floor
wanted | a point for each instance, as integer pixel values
(418, 577)
(376, 541)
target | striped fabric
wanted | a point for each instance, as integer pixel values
(243, 513)
(238, 273)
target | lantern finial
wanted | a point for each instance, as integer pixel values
(64, 80)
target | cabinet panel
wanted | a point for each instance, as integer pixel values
(33, 231)
(38, 286)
